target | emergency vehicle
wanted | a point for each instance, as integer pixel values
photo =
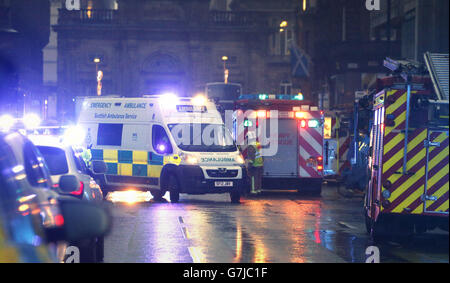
(337, 140)
(298, 160)
(409, 165)
(161, 143)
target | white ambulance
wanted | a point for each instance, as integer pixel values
(163, 143)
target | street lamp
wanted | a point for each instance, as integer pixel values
(99, 75)
(225, 70)
(283, 25)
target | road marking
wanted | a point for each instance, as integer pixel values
(185, 233)
(346, 225)
(196, 255)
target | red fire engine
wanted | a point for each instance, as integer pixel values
(297, 162)
(409, 184)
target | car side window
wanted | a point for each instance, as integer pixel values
(160, 140)
(79, 163)
(35, 167)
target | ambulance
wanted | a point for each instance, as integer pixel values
(293, 157)
(162, 143)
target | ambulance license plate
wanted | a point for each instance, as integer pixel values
(223, 184)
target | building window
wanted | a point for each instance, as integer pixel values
(280, 41)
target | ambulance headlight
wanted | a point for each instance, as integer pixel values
(31, 121)
(6, 122)
(240, 159)
(189, 158)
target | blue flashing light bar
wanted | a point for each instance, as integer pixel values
(298, 97)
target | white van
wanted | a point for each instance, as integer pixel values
(163, 143)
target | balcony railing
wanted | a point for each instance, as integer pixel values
(216, 18)
(88, 16)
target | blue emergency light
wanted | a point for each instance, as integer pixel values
(298, 97)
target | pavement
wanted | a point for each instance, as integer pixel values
(274, 227)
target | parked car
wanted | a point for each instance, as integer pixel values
(36, 220)
(64, 159)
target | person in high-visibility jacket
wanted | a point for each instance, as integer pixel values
(255, 165)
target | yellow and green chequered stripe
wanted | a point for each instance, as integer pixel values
(132, 162)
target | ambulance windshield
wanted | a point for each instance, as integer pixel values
(202, 137)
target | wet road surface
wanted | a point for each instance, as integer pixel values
(276, 227)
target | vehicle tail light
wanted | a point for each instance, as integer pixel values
(79, 192)
(55, 186)
(320, 163)
(299, 115)
(262, 114)
(303, 124)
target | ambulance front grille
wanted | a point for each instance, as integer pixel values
(222, 173)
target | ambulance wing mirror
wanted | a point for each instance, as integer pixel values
(99, 167)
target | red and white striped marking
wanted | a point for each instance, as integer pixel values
(310, 146)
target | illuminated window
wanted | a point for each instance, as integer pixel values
(279, 41)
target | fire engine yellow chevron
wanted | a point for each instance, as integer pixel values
(391, 159)
(418, 179)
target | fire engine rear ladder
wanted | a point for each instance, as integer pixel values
(437, 65)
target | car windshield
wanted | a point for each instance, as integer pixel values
(55, 159)
(202, 137)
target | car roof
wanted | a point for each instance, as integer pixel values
(48, 140)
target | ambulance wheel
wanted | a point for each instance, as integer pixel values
(235, 196)
(174, 190)
(157, 194)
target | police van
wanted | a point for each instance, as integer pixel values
(162, 143)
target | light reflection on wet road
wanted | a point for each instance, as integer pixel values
(274, 227)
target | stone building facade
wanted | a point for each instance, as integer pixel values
(155, 46)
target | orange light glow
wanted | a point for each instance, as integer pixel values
(300, 115)
(129, 197)
(23, 207)
(262, 114)
(320, 167)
